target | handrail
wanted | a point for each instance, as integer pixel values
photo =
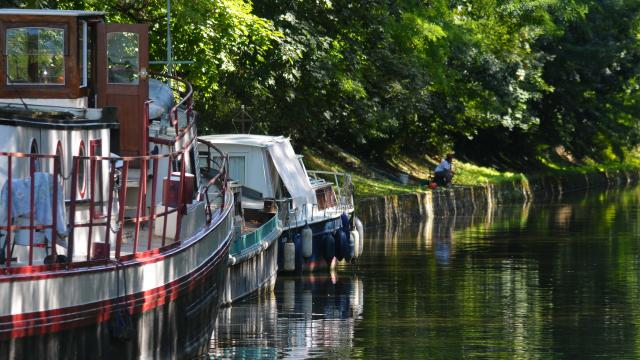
(185, 103)
(244, 242)
(221, 177)
(344, 189)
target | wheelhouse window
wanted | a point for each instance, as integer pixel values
(122, 58)
(35, 55)
(237, 169)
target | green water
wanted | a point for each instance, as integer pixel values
(554, 280)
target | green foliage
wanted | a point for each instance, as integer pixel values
(593, 69)
(504, 82)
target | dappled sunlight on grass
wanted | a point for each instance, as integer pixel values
(370, 181)
(469, 174)
(373, 182)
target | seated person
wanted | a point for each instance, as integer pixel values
(444, 171)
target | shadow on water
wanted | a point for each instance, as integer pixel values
(540, 280)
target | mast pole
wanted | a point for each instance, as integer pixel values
(169, 50)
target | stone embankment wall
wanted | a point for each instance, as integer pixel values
(465, 200)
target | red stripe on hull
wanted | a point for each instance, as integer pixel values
(51, 321)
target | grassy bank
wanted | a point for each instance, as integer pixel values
(382, 178)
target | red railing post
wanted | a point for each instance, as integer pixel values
(32, 204)
(182, 207)
(121, 202)
(92, 205)
(109, 208)
(154, 183)
(9, 208)
(141, 189)
(165, 198)
(72, 206)
(54, 210)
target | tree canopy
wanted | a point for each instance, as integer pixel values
(502, 81)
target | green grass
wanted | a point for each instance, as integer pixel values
(469, 174)
(370, 183)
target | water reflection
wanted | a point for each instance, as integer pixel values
(537, 280)
(306, 316)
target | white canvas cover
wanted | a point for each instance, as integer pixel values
(291, 172)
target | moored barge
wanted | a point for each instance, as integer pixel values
(113, 245)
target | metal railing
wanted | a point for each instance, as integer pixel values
(181, 116)
(341, 183)
(14, 208)
(106, 216)
(215, 170)
(245, 242)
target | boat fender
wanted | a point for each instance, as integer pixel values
(297, 240)
(329, 248)
(346, 246)
(346, 224)
(353, 244)
(289, 256)
(307, 241)
(360, 228)
(341, 239)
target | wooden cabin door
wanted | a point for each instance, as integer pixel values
(122, 63)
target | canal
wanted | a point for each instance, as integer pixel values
(556, 279)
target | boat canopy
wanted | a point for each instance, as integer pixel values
(286, 162)
(293, 176)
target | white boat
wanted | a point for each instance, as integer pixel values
(315, 207)
(113, 245)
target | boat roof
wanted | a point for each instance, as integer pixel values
(47, 12)
(244, 139)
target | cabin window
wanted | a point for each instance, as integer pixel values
(35, 55)
(236, 169)
(81, 177)
(122, 58)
